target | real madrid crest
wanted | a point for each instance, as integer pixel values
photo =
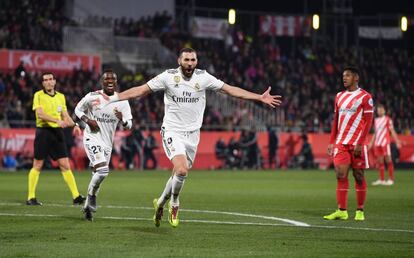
(177, 79)
(197, 86)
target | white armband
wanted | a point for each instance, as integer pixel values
(127, 124)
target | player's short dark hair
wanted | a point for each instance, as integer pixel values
(352, 69)
(380, 106)
(186, 50)
(47, 73)
(109, 71)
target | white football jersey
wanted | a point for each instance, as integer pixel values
(104, 116)
(184, 98)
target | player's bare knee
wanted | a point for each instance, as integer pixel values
(38, 164)
(64, 166)
(181, 170)
(358, 175)
(341, 173)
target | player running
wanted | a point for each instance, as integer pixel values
(381, 143)
(185, 100)
(99, 134)
(351, 124)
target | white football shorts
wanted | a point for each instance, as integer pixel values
(177, 143)
(96, 151)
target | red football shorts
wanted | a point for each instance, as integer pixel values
(344, 155)
(381, 151)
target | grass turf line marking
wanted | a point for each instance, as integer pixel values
(289, 221)
(217, 222)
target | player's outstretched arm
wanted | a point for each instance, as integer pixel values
(134, 92)
(266, 98)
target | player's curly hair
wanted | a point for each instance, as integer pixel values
(352, 69)
(108, 71)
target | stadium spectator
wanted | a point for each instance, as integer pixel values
(272, 146)
(305, 156)
(150, 145)
(128, 151)
(33, 26)
(24, 160)
(220, 150)
(9, 162)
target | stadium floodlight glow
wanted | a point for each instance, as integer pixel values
(315, 21)
(232, 16)
(404, 23)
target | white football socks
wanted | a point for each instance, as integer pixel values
(166, 194)
(97, 178)
(177, 185)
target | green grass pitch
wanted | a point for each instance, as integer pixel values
(223, 214)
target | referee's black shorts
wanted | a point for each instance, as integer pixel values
(50, 142)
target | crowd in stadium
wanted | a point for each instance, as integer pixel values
(308, 78)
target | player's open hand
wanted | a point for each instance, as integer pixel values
(271, 100)
(118, 114)
(62, 123)
(358, 150)
(330, 149)
(76, 131)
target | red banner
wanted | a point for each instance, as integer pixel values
(291, 26)
(41, 61)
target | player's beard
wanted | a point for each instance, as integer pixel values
(187, 73)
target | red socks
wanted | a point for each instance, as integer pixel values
(342, 192)
(390, 166)
(381, 168)
(361, 193)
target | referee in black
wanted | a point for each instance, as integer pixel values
(51, 117)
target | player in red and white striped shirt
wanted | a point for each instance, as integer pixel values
(381, 143)
(351, 124)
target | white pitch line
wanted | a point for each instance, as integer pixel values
(289, 221)
(218, 222)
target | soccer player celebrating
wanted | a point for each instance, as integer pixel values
(351, 124)
(99, 133)
(381, 142)
(185, 100)
(51, 117)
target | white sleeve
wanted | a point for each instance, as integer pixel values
(212, 82)
(158, 82)
(126, 114)
(82, 106)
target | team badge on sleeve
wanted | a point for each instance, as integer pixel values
(371, 102)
